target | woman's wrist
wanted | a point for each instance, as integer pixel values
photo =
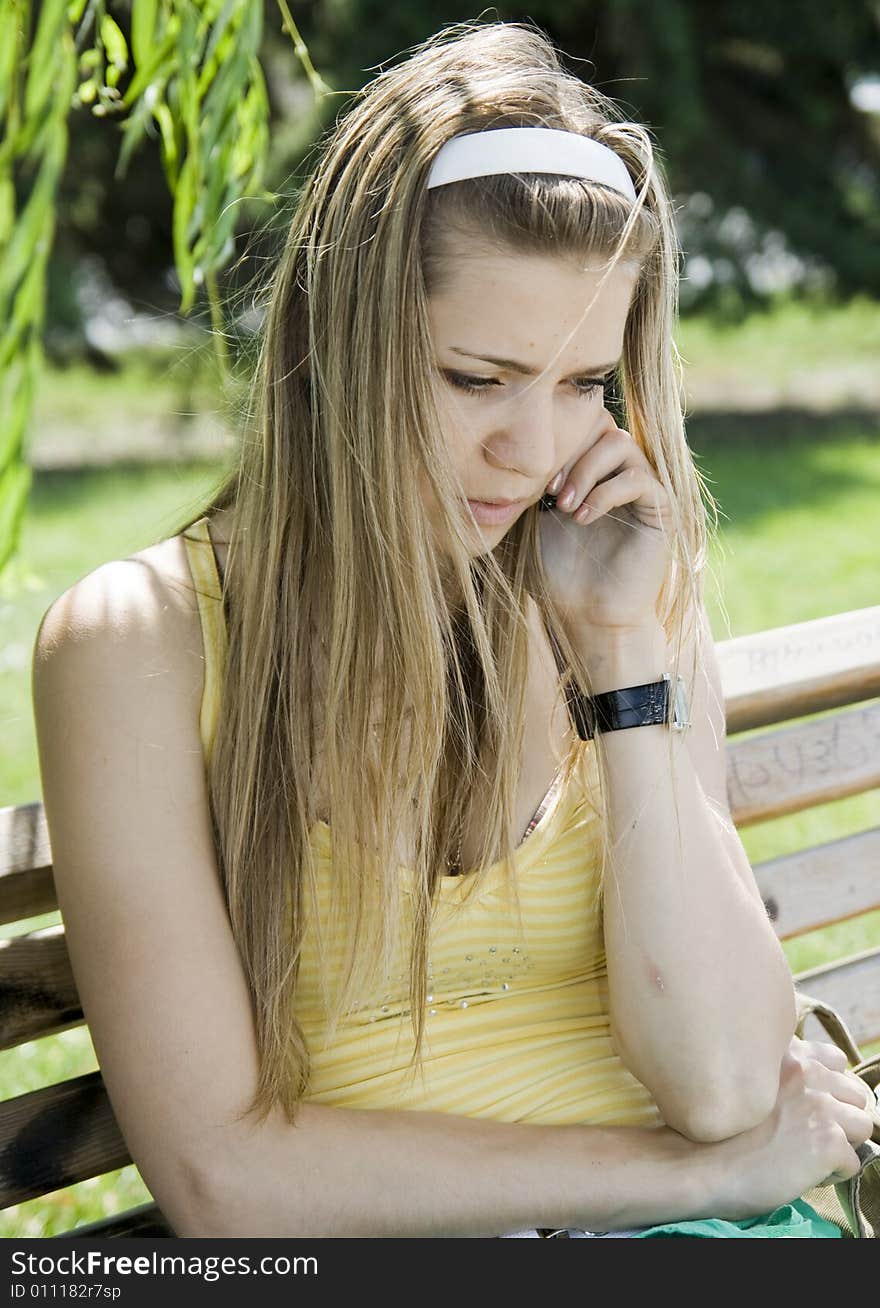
(707, 1177)
(616, 658)
(656, 1175)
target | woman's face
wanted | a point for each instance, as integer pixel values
(517, 398)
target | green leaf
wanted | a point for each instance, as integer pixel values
(15, 485)
(32, 224)
(158, 68)
(8, 53)
(7, 210)
(230, 9)
(221, 236)
(252, 28)
(188, 102)
(134, 129)
(18, 405)
(223, 100)
(170, 154)
(42, 62)
(188, 41)
(184, 204)
(114, 42)
(27, 311)
(143, 26)
(16, 476)
(252, 124)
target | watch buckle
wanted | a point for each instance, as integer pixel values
(678, 702)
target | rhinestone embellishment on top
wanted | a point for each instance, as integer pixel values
(480, 977)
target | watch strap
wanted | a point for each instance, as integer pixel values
(662, 702)
(614, 710)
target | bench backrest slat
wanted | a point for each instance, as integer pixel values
(26, 885)
(793, 768)
(145, 1222)
(806, 890)
(39, 995)
(56, 1136)
(807, 667)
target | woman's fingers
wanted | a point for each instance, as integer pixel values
(873, 1106)
(856, 1122)
(636, 487)
(849, 1089)
(824, 1068)
(843, 1083)
(605, 457)
(844, 1174)
(825, 1052)
(832, 1074)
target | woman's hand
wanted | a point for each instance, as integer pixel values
(605, 556)
(822, 1113)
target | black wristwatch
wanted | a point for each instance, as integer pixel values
(656, 702)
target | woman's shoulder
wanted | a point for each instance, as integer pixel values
(130, 613)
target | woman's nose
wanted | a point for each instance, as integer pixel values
(525, 438)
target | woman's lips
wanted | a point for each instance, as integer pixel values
(494, 515)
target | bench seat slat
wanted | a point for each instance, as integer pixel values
(817, 887)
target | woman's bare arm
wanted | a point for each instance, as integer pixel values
(385, 1173)
(701, 994)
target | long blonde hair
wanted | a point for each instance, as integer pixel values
(329, 553)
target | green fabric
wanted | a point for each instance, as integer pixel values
(796, 1221)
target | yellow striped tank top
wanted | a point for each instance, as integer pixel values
(517, 1025)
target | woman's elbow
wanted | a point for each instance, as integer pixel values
(196, 1207)
(712, 1119)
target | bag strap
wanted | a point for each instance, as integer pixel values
(858, 1195)
(830, 1020)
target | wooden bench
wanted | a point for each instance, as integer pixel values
(66, 1133)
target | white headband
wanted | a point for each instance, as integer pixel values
(529, 150)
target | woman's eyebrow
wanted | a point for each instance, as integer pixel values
(596, 370)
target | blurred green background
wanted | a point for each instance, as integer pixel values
(780, 337)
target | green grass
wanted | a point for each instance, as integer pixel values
(800, 540)
(175, 382)
(792, 334)
(795, 350)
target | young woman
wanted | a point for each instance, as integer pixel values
(524, 981)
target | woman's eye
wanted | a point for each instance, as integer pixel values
(588, 385)
(467, 383)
